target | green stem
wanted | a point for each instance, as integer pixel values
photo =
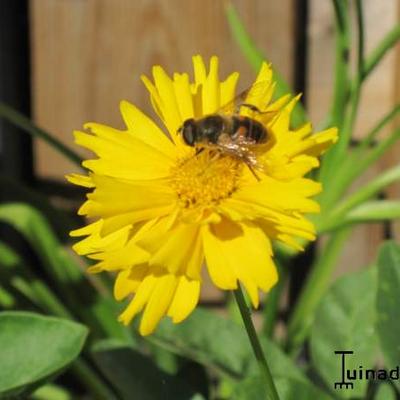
(255, 344)
(390, 39)
(338, 155)
(24, 123)
(371, 135)
(355, 91)
(341, 88)
(255, 57)
(317, 283)
(91, 381)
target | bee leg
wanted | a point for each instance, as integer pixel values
(251, 107)
(199, 151)
(256, 109)
(252, 171)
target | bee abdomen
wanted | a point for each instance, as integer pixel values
(249, 128)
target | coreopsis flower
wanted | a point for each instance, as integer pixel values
(161, 211)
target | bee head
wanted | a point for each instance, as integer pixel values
(189, 132)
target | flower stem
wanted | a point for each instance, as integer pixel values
(255, 344)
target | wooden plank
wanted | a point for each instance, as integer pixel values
(87, 55)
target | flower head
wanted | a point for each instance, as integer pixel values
(161, 208)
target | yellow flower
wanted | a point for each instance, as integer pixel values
(160, 211)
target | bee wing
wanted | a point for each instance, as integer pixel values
(245, 99)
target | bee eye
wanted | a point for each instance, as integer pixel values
(189, 132)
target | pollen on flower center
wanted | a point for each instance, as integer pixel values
(205, 179)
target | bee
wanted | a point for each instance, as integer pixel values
(229, 133)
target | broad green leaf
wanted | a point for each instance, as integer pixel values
(34, 349)
(208, 339)
(385, 392)
(388, 304)
(253, 388)
(345, 320)
(220, 344)
(133, 374)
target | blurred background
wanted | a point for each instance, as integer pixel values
(66, 62)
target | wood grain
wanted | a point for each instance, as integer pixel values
(89, 54)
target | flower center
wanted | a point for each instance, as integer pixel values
(206, 179)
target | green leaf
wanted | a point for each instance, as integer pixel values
(132, 373)
(253, 388)
(51, 392)
(61, 222)
(388, 304)
(24, 123)
(374, 211)
(385, 392)
(73, 286)
(363, 194)
(34, 349)
(221, 345)
(368, 212)
(345, 320)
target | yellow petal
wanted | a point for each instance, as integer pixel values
(260, 93)
(284, 196)
(88, 229)
(211, 89)
(242, 252)
(129, 159)
(179, 251)
(112, 197)
(185, 299)
(215, 251)
(143, 128)
(80, 180)
(228, 89)
(95, 243)
(199, 70)
(142, 296)
(158, 303)
(127, 256)
(128, 281)
(169, 106)
(183, 95)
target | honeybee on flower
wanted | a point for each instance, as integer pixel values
(217, 190)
